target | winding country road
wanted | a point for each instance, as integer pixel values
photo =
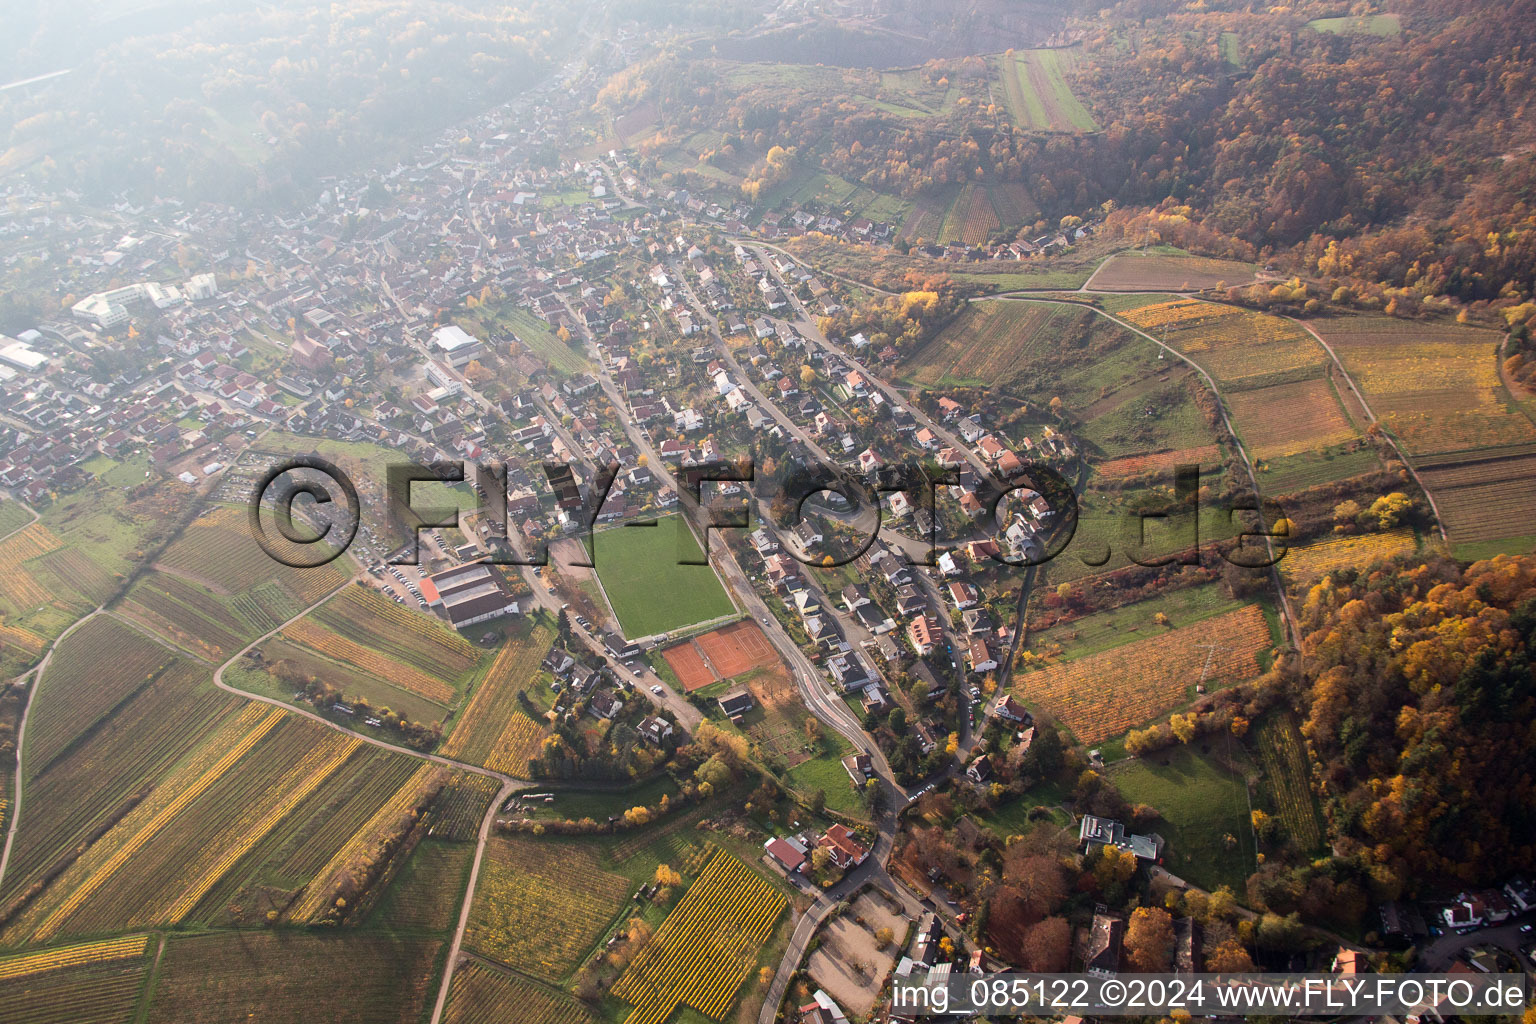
(1226, 422)
(21, 736)
(1360, 397)
(509, 785)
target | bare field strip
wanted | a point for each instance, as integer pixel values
(1127, 272)
(1485, 500)
(1288, 419)
(1161, 462)
(1102, 695)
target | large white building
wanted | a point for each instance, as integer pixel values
(440, 377)
(115, 307)
(457, 345)
(17, 354)
(202, 286)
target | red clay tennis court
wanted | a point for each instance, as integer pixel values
(689, 665)
(737, 648)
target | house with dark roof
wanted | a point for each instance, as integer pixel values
(654, 729)
(605, 704)
(1010, 710)
(1101, 953)
(859, 768)
(979, 770)
(736, 703)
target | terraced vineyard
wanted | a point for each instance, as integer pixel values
(71, 904)
(971, 219)
(290, 977)
(1435, 386)
(426, 896)
(991, 342)
(1037, 94)
(291, 855)
(218, 590)
(1232, 344)
(103, 663)
(1144, 273)
(218, 551)
(494, 729)
(386, 668)
(1288, 419)
(1484, 500)
(91, 983)
(481, 994)
(1284, 757)
(1306, 564)
(21, 639)
(70, 796)
(539, 906)
(1102, 695)
(392, 818)
(705, 948)
(461, 806)
(19, 589)
(1205, 456)
(422, 641)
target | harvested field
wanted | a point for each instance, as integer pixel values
(1435, 386)
(1102, 695)
(1485, 500)
(1288, 419)
(1161, 462)
(1156, 273)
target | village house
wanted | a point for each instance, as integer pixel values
(846, 851)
